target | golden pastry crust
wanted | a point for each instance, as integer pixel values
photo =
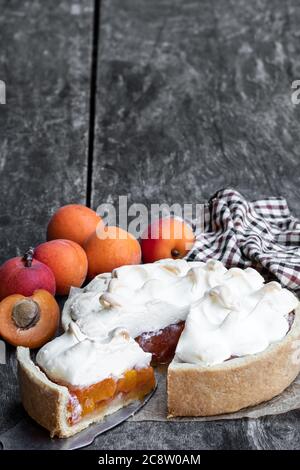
(194, 390)
(47, 402)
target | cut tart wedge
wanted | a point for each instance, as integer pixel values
(77, 381)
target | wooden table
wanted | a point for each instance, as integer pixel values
(162, 100)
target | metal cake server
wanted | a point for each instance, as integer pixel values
(29, 435)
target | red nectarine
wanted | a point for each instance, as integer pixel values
(24, 275)
(67, 260)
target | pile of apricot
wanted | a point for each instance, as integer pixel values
(75, 249)
(79, 246)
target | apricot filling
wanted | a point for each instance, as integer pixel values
(134, 384)
(161, 344)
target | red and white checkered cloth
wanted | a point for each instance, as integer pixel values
(262, 234)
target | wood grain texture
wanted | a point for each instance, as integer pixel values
(278, 432)
(191, 96)
(45, 60)
(257, 122)
(194, 96)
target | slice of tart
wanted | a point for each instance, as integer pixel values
(76, 381)
(238, 349)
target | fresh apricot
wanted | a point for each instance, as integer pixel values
(109, 248)
(73, 222)
(24, 275)
(168, 237)
(67, 260)
(29, 321)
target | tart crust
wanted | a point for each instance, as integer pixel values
(46, 402)
(194, 390)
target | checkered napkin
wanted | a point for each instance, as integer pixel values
(262, 234)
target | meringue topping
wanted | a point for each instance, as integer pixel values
(142, 298)
(241, 316)
(75, 359)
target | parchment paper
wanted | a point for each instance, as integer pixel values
(156, 408)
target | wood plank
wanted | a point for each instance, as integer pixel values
(257, 120)
(274, 433)
(191, 97)
(45, 61)
(155, 128)
(194, 96)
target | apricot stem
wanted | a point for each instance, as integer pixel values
(175, 253)
(26, 313)
(28, 257)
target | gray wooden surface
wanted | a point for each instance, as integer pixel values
(174, 100)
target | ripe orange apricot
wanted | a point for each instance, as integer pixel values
(110, 248)
(73, 222)
(67, 260)
(29, 321)
(168, 237)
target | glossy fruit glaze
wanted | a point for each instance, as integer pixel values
(134, 384)
(162, 343)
